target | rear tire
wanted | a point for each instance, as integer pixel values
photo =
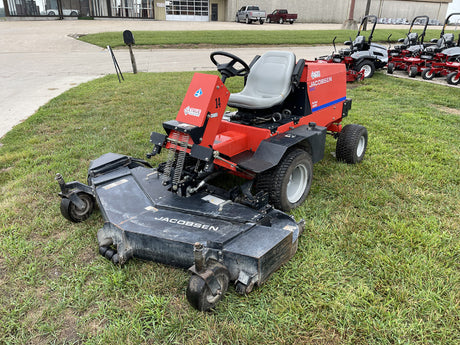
(453, 78)
(427, 74)
(368, 68)
(289, 182)
(390, 68)
(351, 144)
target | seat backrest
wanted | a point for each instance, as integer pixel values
(358, 43)
(411, 39)
(269, 82)
(447, 40)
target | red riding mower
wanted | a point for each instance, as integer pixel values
(178, 215)
(446, 60)
(363, 57)
(432, 54)
(410, 47)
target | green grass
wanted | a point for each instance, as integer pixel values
(378, 262)
(245, 37)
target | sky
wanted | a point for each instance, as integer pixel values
(454, 6)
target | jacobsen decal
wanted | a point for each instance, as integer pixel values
(321, 81)
(192, 111)
(187, 223)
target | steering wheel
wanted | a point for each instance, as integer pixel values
(228, 70)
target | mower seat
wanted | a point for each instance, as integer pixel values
(358, 43)
(268, 84)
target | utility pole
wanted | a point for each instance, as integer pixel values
(350, 24)
(368, 6)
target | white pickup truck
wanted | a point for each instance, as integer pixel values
(249, 14)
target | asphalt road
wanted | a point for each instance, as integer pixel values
(40, 59)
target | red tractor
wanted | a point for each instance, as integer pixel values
(178, 215)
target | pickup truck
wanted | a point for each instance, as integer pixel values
(281, 16)
(249, 14)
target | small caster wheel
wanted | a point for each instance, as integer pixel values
(199, 293)
(71, 212)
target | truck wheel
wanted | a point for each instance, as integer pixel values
(390, 68)
(351, 144)
(427, 74)
(261, 21)
(413, 71)
(289, 183)
(248, 21)
(453, 78)
(366, 66)
(281, 21)
(291, 22)
(268, 20)
(70, 211)
(198, 293)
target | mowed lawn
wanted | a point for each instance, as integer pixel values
(378, 262)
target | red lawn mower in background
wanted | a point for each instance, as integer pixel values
(179, 213)
(363, 57)
(445, 59)
(433, 53)
(411, 46)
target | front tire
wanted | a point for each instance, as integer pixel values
(248, 21)
(368, 68)
(453, 78)
(413, 71)
(427, 74)
(288, 183)
(281, 21)
(351, 144)
(390, 68)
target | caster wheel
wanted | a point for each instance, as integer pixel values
(199, 293)
(71, 212)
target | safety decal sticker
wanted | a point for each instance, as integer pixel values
(198, 93)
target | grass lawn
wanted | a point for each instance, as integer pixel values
(378, 262)
(244, 37)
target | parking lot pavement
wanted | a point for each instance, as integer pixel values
(39, 59)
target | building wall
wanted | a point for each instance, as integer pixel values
(337, 11)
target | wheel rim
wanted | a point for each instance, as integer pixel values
(78, 213)
(361, 146)
(297, 183)
(455, 79)
(367, 70)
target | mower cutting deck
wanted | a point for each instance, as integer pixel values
(176, 214)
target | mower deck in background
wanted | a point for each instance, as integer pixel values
(178, 214)
(363, 57)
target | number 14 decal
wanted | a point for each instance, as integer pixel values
(218, 105)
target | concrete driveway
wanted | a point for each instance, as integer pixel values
(39, 59)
